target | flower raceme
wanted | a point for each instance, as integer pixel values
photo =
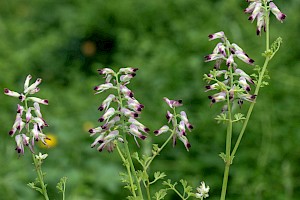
(231, 82)
(29, 122)
(259, 10)
(179, 128)
(120, 110)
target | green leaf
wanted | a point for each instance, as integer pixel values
(32, 185)
(223, 156)
(160, 194)
(221, 118)
(61, 185)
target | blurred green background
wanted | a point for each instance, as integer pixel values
(65, 42)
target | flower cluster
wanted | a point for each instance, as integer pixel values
(260, 9)
(29, 121)
(179, 129)
(202, 191)
(231, 82)
(119, 118)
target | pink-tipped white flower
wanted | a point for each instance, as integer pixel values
(163, 129)
(38, 100)
(11, 93)
(212, 57)
(184, 118)
(103, 87)
(128, 70)
(98, 140)
(243, 57)
(110, 123)
(105, 71)
(229, 60)
(257, 9)
(243, 83)
(218, 97)
(20, 143)
(28, 115)
(169, 116)
(133, 129)
(278, 14)
(128, 113)
(185, 141)
(107, 115)
(244, 74)
(37, 110)
(135, 105)
(32, 86)
(125, 91)
(173, 103)
(139, 125)
(217, 35)
(181, 128)
(127, 77)
(27, 80)
(105, 104)
(93, 131)
(247, 97)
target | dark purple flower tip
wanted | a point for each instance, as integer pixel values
(248, 89)
(135, 115)
(251, 61)
(253, 97)
(6, 90)
(11, 132)
(283, 16)
(190, 126)
(210, 97)
(139, 109)
(155, 132)
(100, 150)
(213, 100)
(135, 69)
(46, 101)
(91, 131)
(20, 97)
(210, 36)
(130, 94)
(100, 141)
(146, 129)
(250, 18)
(100, 108)
(208, 57)
(188, 145)
(96, 88)
(133, 74)
(257, 32)
(143, 137)
(18, 150)
(36, 139)
(101, 119)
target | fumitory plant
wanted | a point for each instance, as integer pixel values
(28, 128)
(120, 123)
(232, 84)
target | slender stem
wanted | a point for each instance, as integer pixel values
(159, 150)
(228, 149)
(258, 86)
(148, 189)
(128, 171)
(40, 176)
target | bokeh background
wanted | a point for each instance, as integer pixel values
(65, 42)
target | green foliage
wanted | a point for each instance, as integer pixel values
(167, 41)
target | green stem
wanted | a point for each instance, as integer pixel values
(159, 150)
(228, 149)
(128, 171)
(40, 177)
(258, 86)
